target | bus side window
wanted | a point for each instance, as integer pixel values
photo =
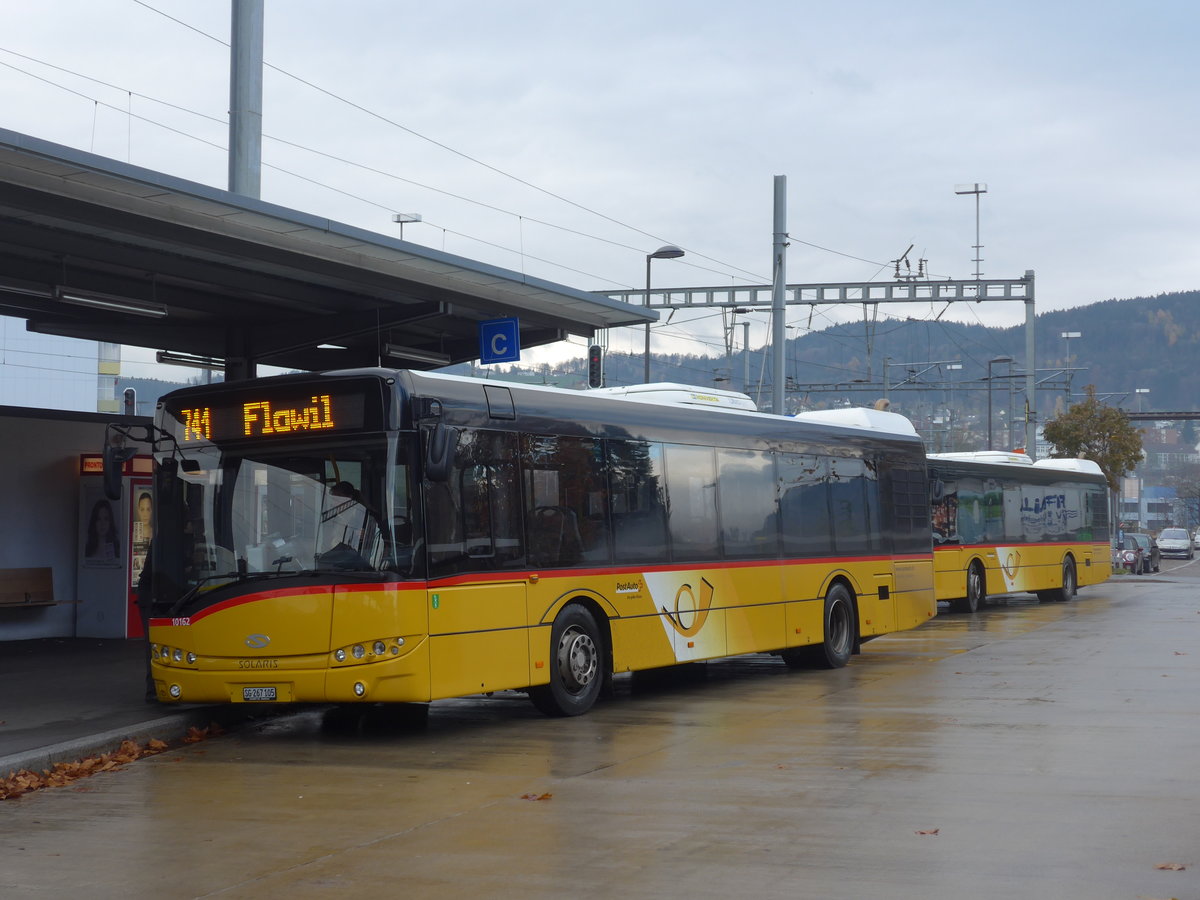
(804, 504)
(565, 500)
(692, 502)
(639, 515)
(848, 486)
(474, 516)
(748, 508)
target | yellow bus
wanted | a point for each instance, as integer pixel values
(398, 536)
(1003, 524)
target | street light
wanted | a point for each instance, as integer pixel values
(1067, 335)
(1139, 392)
(403, 219)
(668, 252)
(998, 359)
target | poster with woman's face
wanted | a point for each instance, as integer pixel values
(101, 539)
(142, 517)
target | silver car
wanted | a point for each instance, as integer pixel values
(1176, 542)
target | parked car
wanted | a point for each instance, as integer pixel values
(1129, 556)
(1176, 542)
(1151, 557)
(1196, 539)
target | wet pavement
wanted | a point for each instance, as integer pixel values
(1029, 750)
(63, 699)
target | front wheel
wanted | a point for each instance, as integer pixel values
(976, 590)
(576, 665)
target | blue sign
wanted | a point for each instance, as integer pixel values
(499, 341)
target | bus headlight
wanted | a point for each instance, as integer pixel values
(339, 655)
(360, 689)
(380, 648)
(359, 651)
(175, 691)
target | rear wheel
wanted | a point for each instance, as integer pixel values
(835, 650)
(576, 665)
(1069, 585)
(1070, 581)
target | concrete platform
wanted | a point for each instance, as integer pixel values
(67, 698)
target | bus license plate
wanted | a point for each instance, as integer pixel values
(258, 693)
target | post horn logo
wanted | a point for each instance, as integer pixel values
(687, 606)
(257, 641)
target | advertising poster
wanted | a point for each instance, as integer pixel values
(142, 516)
(101, 542)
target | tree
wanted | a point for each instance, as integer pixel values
(1092, 430)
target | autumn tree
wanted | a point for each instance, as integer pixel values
(1093, 430)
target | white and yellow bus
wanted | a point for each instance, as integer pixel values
(399, 536)
(1003, 524)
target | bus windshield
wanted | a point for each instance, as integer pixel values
(260, 510)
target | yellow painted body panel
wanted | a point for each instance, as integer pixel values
(468, 636)
(478, 640)
(1018, 568)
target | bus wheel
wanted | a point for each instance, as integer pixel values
(575, 665)
(976, 590)
(1070, 584)
(835, 650)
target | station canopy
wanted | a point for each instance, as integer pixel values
(98, 249)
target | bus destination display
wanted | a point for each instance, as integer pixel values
(218, 418)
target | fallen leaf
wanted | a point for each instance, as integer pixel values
(930, 831)
(1171, 867)
(536, 797)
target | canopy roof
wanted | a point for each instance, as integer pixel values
(98, 249)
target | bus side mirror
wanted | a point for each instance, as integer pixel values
(439, 452)
(115, 456)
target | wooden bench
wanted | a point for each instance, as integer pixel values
(26, 587)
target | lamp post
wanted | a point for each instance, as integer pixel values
(991, 362)
(403, 219)
(951, 367)
(1067, 335)
(668, 252)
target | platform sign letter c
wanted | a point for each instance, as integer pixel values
(499, 341)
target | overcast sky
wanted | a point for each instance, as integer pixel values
(665, 122)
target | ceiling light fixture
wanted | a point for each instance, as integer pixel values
(426, 356)
(175, 358)
(109, 302)
(26, 288)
